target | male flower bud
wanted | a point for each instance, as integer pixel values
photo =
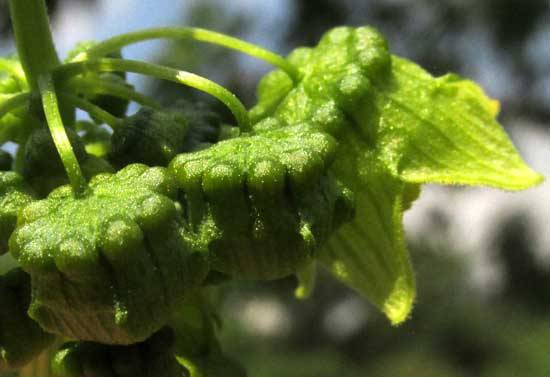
(111, 265)
(151, 137)
(262, 204)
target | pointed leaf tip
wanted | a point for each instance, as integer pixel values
(443, 130)
(398, 306)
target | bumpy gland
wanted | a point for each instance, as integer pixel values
(262, 204)
(14, 195)
(21, 339)
(107, 267)
(422, 128)
(154, 137)
(335, 77)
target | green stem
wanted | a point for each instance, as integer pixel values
(209, 36)
(13, 103)
(62, 143)
(66, 71)
(90, 86)
(95, 111)
(34, 39)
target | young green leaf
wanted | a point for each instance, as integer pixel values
(397, 127)
(444, 130)
(369, 253)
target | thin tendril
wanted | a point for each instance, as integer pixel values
(203, 35)
(64, 72)
(90, 86)
(57, 130)
(90, 108)
(13, 103)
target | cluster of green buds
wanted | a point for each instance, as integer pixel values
(118, 227)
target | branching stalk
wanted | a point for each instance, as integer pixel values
(62, 143)
(118, 42)
(95, 111)
(91, 86)
(13, 103)
(65, 72)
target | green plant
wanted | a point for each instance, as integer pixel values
(319, 171)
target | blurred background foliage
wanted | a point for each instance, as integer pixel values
(460, 327)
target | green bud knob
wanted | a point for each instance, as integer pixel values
(151, 137)
(204, 124)
(42, 166)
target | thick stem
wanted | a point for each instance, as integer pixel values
(34, 39)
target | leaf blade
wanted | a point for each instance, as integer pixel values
(369, 253)
(444, 130)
